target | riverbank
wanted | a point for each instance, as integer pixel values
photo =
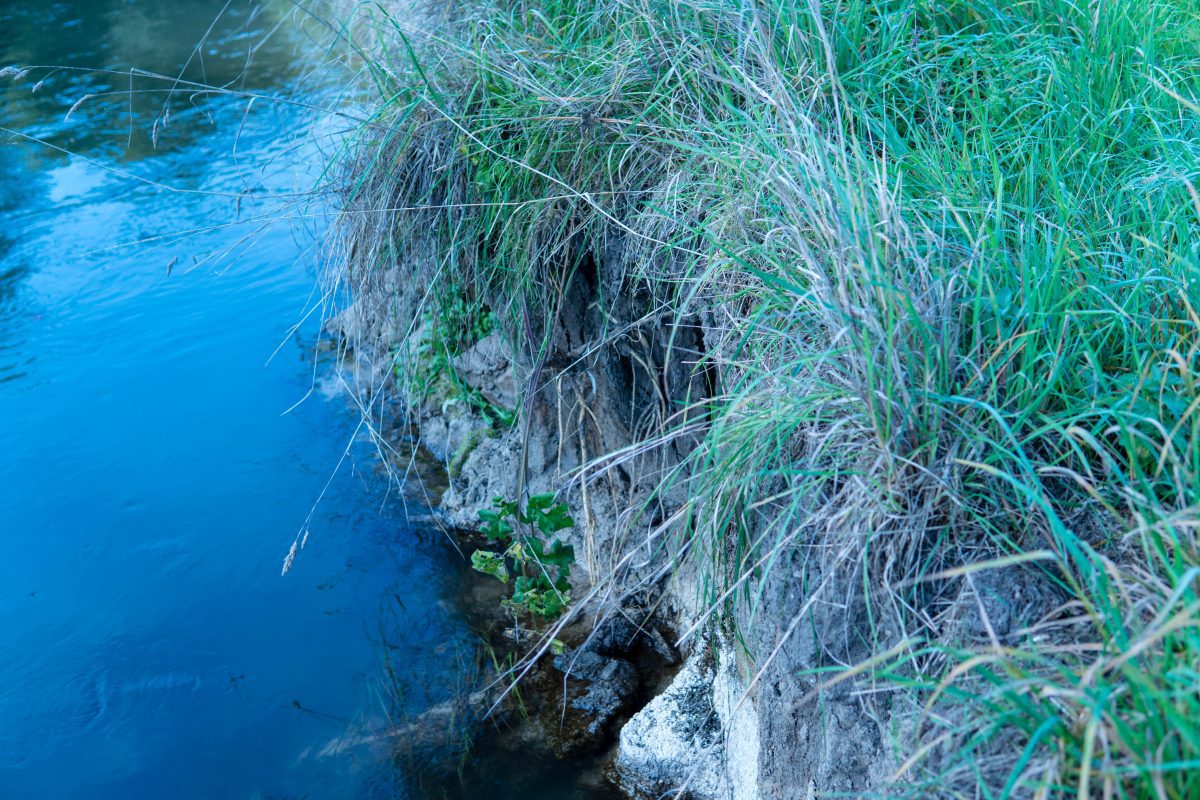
(860, 343)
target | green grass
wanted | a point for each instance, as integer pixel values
(953, 248)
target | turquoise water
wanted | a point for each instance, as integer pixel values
(156, 467)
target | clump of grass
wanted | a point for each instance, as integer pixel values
(947, 258)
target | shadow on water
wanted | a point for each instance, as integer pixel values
(466, 747)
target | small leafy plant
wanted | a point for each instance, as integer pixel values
(541, 570)
(425, 364)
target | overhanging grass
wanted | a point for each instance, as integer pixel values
(952, 249)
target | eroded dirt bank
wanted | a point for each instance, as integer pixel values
(650, 667)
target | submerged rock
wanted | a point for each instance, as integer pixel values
(599, 691)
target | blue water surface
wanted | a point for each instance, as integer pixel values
(151, 482)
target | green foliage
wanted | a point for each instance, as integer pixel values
(542, 587)
(952, 246)
(490, 564)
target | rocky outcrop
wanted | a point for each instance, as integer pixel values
(701, 731)
(699, 736)
(675, 741)
(487, 367)
(610, 375)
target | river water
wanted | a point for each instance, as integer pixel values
(167, 434)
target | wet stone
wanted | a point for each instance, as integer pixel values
(599, 691)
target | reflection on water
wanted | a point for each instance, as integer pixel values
(150, 482)
(107, 53)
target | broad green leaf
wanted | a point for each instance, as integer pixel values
(490, 563)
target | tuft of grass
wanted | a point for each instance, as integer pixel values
(946, 258)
